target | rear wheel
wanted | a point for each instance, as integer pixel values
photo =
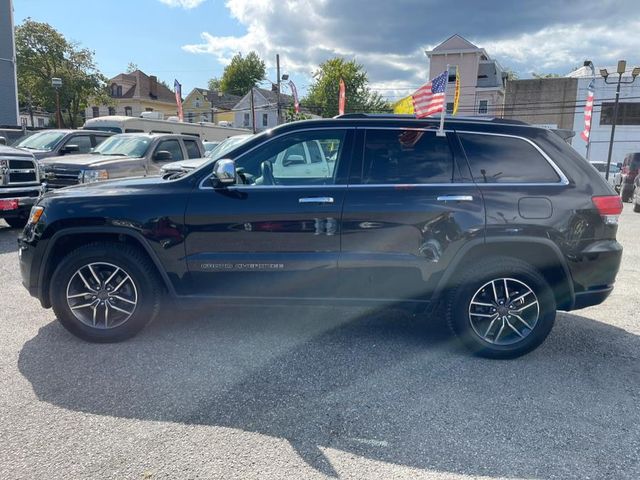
(105, 292)
(501, 308)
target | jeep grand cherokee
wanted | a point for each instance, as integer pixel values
(501, 223)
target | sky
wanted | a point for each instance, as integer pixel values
(192, 40)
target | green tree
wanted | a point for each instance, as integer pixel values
(132, 67)
(43, 53)
(242, 74)
(214, 84)
(511, 74)
(323, 93)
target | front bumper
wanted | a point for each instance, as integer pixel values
(25, 198)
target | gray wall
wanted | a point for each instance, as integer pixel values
(8, 92)
(542, 101)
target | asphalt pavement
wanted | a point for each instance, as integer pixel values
(258, 393)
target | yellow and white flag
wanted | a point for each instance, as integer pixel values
(456, 95)
(404, 105)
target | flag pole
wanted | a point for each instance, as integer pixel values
(440, 132)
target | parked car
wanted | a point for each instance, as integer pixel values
(19, 185)
(630, 169)
(614, 172)
(499, 222)
(121, 156)
(174, 169)
(54, 143)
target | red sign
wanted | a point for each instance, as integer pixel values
(342, 99)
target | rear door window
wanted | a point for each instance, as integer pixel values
(406, 157)
(192, 149)
(503, 159)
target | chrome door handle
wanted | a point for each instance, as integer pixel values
(455, 198)
(315, 200)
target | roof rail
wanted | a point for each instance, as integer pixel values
(447, 117)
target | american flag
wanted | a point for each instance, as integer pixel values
(429, 98)
(588, 110)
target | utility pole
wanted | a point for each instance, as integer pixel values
(278, 87)
(253, 113)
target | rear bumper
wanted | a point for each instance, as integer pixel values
(591, 297)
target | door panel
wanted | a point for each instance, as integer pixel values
(406, 216)
(264, 238)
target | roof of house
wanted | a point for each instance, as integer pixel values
(141, 87)
(270, 96)
(225, 101)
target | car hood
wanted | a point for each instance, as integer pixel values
(186, 164)
(86, 160)
(107, 187)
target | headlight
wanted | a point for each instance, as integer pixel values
(90, 176)
(36, 213)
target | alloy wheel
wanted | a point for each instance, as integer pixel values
(102, 295)
(504, 311)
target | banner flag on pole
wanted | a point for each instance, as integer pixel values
(342, 99)
(456, 95)
(294, 91)
(178, 88)
(588, 110)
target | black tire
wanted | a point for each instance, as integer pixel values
(469, 284)
(16, 222)
(129, 259)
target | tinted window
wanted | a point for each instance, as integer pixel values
(296, 159)
(406, 156)
(171, 146)
(498, 159)
(192, 149)
(82, 141)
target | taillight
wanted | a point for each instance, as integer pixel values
(609, 207)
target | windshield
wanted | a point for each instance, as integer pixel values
(208, 146)
(124, 145)
(227, 145)
(41, 141)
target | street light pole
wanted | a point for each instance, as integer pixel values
(622, 67)
(57, 83)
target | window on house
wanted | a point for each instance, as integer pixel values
(114, 90)
(198, 103)
(265, 119)
(95, 111)
(452, 73)
(148, 109)
(483, 107)
(246, 120)
(628, 113)
(128, 111)
(190, 117)
(119, 90)
(112, 111)
(450, 108)
(41, 122)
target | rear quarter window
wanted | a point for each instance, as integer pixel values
(501, 159)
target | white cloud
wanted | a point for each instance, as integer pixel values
(186, 4)
(390, 43)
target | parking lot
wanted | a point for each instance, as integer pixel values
(230, 392)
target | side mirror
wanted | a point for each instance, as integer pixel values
(3, 141)
(163, 156)
(69, 149)
(224, 172)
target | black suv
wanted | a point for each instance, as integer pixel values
(498, 223)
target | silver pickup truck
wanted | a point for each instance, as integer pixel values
(120, 156)
(19, 185)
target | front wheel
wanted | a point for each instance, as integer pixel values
(501, 308)
(105, 292)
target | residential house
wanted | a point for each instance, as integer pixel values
(482, 79)
(627, 137)
(265, 104)
(202, 105)
(35, 118)
(134, 93)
